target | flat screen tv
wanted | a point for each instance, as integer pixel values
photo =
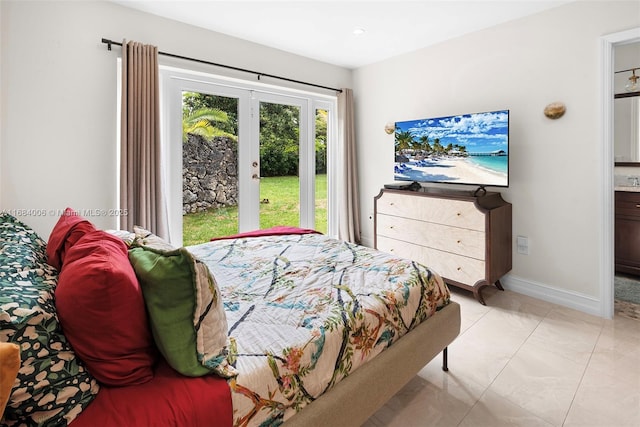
(469, 149)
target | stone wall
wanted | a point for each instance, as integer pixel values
(209, 173)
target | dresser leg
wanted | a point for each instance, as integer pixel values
(478, 287)
(478, 295)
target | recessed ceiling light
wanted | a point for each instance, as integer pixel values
(358, 31)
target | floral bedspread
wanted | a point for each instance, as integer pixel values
(305, 310)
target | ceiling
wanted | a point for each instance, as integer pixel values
(324, 29)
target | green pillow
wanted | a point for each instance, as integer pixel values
(186, 313)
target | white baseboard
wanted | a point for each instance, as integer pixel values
(571, 299)
(544, 292)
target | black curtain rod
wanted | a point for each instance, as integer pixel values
(109, 43)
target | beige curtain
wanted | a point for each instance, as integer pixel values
(141, 190)
(349, 205)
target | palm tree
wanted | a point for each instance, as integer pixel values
(462, 150)
(437, 147)
(202, 122)
(424, 143)
(404, 141)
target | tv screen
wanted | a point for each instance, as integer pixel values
(471, 149)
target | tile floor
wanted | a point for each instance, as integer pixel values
(629, 307)
(520, 361)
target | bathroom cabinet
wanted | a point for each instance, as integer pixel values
(627, 232)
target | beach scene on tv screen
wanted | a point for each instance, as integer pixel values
(462, 149)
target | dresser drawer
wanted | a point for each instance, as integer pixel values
(457, 213)
(627, 203)
(462, 241)
(450, 266)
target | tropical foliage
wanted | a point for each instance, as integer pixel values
(279, 136)
(204, 122)
(212, 115)
(194, 101)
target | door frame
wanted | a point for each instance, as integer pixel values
(607, 235)
(174, 81)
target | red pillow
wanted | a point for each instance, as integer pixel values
(101, 309)
(67, 231)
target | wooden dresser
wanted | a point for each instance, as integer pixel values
(463, 237)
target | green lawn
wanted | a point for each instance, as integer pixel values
(282, 209)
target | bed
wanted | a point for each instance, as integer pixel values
(285, 327)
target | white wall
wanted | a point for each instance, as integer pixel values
(555, 171)
(58, 106)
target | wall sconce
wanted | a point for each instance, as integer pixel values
(555, 110)
(390, 128)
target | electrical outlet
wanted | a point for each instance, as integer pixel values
(522, 245)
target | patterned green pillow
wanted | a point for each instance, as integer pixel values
(186, 313)
(20, 244)
(52, 386)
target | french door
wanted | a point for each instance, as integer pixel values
(276, 169)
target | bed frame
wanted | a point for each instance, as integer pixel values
(354, 399)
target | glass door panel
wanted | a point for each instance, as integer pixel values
(279, 140)
(321, 138)
(209, 166)
(240, 159)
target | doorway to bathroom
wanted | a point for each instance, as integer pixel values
(620, 286)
